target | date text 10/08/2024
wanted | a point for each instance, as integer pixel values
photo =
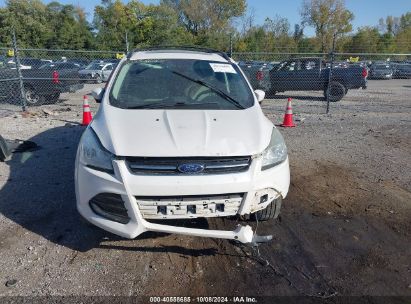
(237, 299)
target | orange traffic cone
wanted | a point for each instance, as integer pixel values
(86, 112)
(288, 116)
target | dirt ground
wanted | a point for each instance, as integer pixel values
(345, 227)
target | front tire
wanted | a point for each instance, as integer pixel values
(335, 91)
(272, 211)
(32, 97)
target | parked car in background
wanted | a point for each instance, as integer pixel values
(257, 73)
(34, 63)
(59, 65)
(43, 85)
(363, 64)
(312, 74)
(113, 61)
(96, 72)
(12, 65)
(402, 70)
(339, 64)
(381, 71)
(81, 62)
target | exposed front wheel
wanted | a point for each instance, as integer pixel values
(31, 96)
(271, 212)
(335, 91)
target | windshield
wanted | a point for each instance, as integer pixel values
(180, 84)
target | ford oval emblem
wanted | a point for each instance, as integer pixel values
(191, 168)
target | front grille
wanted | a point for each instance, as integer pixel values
(178, 207)
(171, 165)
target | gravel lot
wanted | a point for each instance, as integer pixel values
(345, 227)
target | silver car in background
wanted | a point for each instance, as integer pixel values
(97, 72)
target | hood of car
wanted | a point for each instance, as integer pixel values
(179, 133)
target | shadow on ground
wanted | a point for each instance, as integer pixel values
(294, 96)
(39, 195)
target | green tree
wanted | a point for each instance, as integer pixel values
(69, 26)
(366, 40)
(403, 41)
(29, 20)
(328, 17)
(145, 25)
(112, 20)
(40, 26)
(200, 16)
(278, 37)
(209, 22)
(405, 21)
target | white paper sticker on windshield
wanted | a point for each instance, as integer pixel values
(222, 68)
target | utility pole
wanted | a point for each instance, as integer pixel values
(127, 45)
(231, 44)
(332, 54)
(17, 61)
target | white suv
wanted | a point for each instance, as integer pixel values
(179, 134)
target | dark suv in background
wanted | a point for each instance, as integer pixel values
(380, 71)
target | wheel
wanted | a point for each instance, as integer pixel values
(270, 212)
(31, 96)
(98, 78)
(5, 152)
(53, 98)
(335, 91)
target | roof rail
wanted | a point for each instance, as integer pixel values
(181, 47)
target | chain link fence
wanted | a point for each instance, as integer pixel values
(33, 77)
(319, 76)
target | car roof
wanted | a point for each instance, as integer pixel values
(179, 53)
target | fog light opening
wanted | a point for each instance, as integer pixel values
(110, 206)
(263, 199)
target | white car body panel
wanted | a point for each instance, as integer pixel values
(183, 132)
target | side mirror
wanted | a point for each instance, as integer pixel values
(260, 95)
(98, 94)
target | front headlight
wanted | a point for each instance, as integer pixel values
(276, 151)
(93, 154)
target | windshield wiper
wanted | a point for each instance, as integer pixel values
(216, 90)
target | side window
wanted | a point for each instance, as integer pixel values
(108, 67)
(290, 66)
(309, 65)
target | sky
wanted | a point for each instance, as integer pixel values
(366, 12)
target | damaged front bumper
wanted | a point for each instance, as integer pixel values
(258, 189)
